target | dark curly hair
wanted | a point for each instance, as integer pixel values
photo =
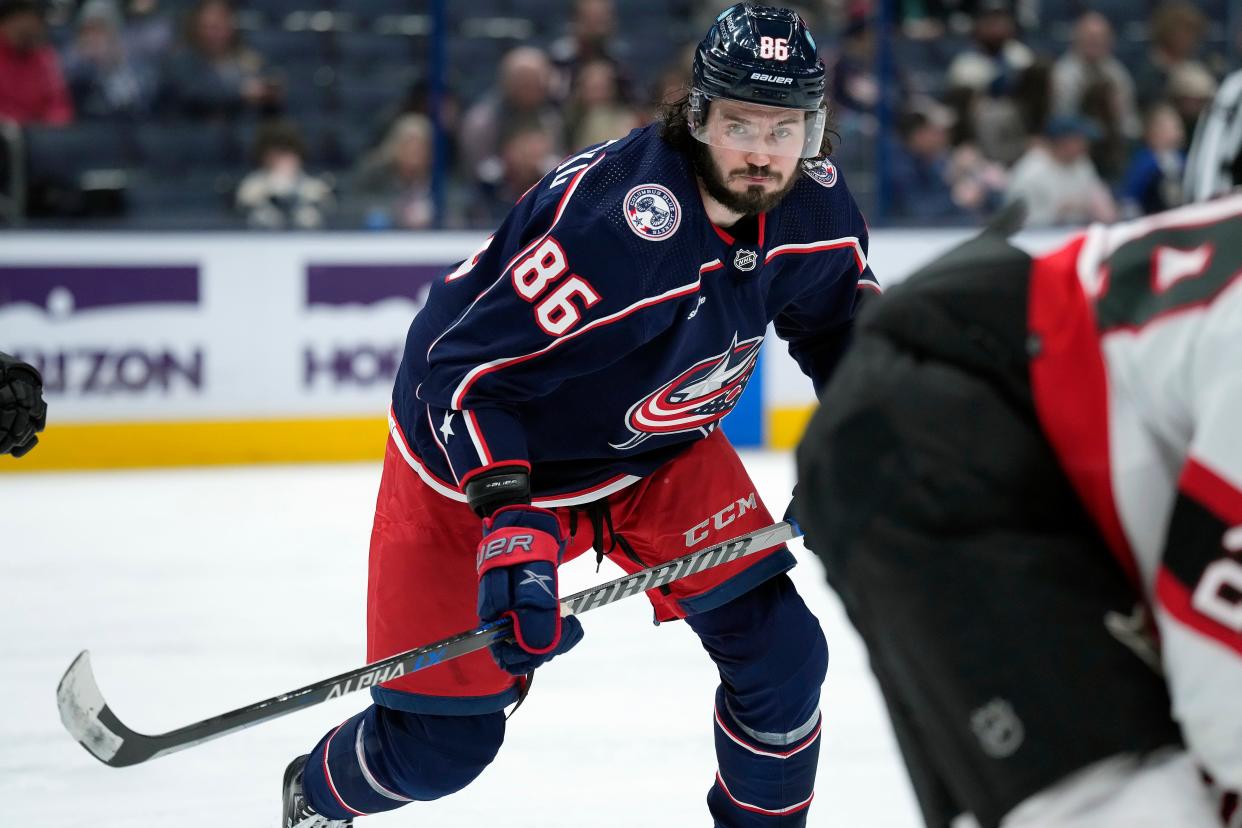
(675, 128)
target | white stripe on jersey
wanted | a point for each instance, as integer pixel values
(816, 246)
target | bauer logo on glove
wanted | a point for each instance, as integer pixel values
(517, 561)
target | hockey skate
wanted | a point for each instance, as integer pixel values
(297, 812)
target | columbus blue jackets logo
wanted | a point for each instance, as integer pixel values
(695, 399)
(821, 170)
(652, 212)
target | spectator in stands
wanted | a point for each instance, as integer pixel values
(977, 183)
(32, 87)
(148, 30)
(521, 100)
(592, 36)
(1090, 69)
(919, 166)
(1176, 32)
(215, 75)
(1001, 126)
(992, 66)
(1191, 89)
(104, 79)
(280, 195)
(392, 185)
(417, 101)
(525, 157)
(597, 110)
(1057, 179)
(1153, 183)
(855, 88)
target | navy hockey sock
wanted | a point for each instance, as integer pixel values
(383, 758)
(772, 659)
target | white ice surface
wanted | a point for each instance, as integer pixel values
(200, 591)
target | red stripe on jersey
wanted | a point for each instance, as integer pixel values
(1220, 496)
(1178, 601)
(1070, 387)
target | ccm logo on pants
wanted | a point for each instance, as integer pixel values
(699, 532)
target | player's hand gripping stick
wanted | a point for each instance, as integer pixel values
(517, 560)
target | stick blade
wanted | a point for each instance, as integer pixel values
(86, 716)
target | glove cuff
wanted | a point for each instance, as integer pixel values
(519, 535)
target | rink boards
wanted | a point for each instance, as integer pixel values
(173, 349)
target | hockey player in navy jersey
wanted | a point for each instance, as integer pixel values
(561, 390)
(22, 410)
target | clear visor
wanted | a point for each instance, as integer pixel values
(750, 127)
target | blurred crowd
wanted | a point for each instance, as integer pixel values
(1084, 127)
(285, 114)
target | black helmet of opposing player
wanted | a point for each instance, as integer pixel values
(763, 58)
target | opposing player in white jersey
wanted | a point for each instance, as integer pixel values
(1028, 492)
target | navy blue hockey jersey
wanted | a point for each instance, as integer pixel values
(607, 324)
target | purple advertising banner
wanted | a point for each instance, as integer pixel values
(130, 360)
(366, 284)
(353, 296)
(64, 289)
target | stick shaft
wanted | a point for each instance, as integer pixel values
(88, 718)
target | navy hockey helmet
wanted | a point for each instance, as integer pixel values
(763, 56)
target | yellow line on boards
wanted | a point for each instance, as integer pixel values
(65, 446)
(69, 446)
(785, 425)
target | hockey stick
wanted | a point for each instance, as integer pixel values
(88, 718)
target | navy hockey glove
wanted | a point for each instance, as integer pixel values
(22, 410)
(517, 561)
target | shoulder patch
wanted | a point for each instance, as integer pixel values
(821, 170)
(652, 212)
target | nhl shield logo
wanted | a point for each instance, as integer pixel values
(821, 170)
(998, 728)
(745, 259)
(652, 212)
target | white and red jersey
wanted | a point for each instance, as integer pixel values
(1137, 379)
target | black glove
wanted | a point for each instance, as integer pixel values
(23, 413)
(791, 511)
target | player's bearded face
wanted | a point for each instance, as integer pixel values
(748, 157)
(732, 178)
